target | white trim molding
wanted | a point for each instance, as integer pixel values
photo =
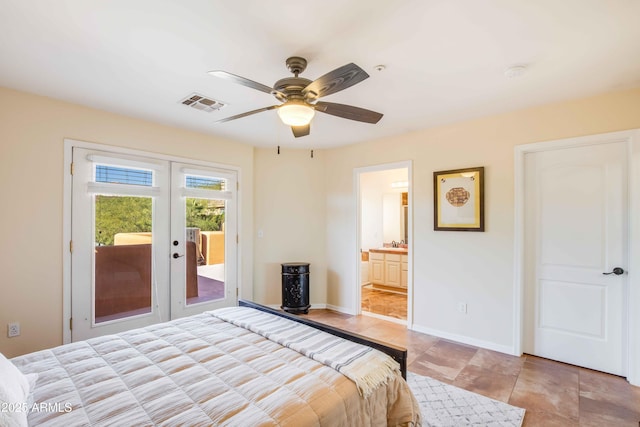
(463, 339)
(343, 310)
(356, 308)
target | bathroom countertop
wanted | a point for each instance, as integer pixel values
(401, 251)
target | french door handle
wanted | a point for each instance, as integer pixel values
(176, 255)
(617, 271)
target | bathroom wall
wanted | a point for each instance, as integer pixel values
(373, 187)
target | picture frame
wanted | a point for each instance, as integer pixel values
(458, 200)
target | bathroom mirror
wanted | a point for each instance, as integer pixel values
(394, 218)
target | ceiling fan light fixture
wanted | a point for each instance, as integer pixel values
(296, 113)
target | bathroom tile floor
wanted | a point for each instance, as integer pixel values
(553, 393)
(392, 304)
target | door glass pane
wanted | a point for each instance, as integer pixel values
(120, 175)
(123, 251)
(205, 242)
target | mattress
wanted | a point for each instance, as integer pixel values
(201, 371)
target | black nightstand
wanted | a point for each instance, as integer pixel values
(295, 287)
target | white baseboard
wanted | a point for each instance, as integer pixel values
(340, 309)
(436, 333)
(466, 340)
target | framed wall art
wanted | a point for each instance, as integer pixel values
(459, 200)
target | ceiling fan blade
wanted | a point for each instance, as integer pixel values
(299, 131)
(335, 81)
(248, 113)
(244, 82)
(348, 112)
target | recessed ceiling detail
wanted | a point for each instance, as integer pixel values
(202, 103)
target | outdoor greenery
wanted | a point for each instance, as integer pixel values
(205, 214)
(124, 214)
(121, 214)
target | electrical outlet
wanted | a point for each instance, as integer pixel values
(13, 329)
(462, 307)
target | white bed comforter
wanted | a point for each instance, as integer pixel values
(201, 371)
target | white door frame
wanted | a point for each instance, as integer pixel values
(357, 292)
(66, 212)
(632, 139)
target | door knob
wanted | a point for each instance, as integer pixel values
(176, 256)
(617, 271)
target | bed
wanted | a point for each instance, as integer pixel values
(240, 366)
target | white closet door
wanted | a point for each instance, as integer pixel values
(576, 227)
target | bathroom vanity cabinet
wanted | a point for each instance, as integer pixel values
(388, 267)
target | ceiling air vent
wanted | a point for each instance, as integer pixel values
(202, 103)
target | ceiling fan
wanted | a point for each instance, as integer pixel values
(299, 96)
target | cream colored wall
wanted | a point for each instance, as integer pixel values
(319, 228)
(451, 267)
(32, 130)
(290, 214)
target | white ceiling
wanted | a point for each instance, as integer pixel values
(445, 59)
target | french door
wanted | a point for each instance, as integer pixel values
(203, 239)
(152, 240)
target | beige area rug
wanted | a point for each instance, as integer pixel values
(444, 405)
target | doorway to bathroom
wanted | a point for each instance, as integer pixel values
(384, 241)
